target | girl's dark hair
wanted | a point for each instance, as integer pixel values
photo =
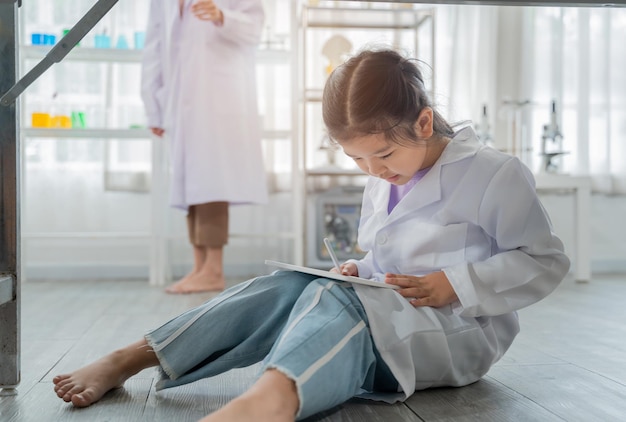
(377, 92)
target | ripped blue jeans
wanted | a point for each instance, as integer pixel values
(313, 330)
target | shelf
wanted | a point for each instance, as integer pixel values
(550, 181)
(141, 235)
(119, 133)
(313, 95)
(87, 235)
(87, 133)
(85, 54)
(359, 18)
(273, 56)
(334, 171)
(276, 134)
(119, 55)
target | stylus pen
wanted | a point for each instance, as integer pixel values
(331, 252)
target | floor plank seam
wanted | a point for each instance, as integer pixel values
(600, 374)
(414, 412)
(520, 394)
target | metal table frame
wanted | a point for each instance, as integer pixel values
(9, 207)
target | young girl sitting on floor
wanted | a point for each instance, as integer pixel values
(456, 225)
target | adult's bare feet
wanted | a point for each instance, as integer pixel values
(198, 283)
(183, 281)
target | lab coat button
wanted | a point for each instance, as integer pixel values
(381, 239)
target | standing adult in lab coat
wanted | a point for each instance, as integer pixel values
(455, 226)
(199, 91)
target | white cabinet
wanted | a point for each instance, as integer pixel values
(330, 183)
(580, 186)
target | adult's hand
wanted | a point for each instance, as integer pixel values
(206, 10)
(157, 131)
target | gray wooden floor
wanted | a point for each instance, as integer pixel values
(568, 363)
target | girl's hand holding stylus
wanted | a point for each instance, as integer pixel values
(206, 10)
(348, 268)
(430, 290)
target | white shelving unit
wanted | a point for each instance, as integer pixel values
(113, 60)
(406, 27)
(110, 57)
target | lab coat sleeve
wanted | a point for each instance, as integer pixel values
(529, 262)
(365, 265)
(152, 84)
(243, 23)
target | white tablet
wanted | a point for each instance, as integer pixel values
(328, 274)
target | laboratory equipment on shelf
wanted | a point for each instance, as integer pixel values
(336, 217)
(60, 49)
(483, 128)
(551, 144)
(327, 145)
(336, 49)
(517, 140)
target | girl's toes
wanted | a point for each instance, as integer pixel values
(72, 392)
(62, 386)
(62, 390)
(59, 378)
(79, 400)
(84, 398)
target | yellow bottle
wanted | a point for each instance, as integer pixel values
(41, 120)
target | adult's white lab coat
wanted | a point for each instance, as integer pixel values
(199, 84)
(476, 216)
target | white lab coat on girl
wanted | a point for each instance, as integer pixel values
(199, 84)
(476, 216)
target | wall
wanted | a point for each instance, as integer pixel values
(73, 202)
(74, 228)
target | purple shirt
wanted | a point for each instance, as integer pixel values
(398, 192)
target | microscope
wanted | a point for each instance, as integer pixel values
(483, 128)
(551, 144)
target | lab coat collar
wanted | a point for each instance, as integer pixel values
(464, 144)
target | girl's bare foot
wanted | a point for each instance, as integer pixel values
(87, 385)
(272, 399)
(197, 283)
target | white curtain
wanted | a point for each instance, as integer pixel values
(465, 61)
(579, 57)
